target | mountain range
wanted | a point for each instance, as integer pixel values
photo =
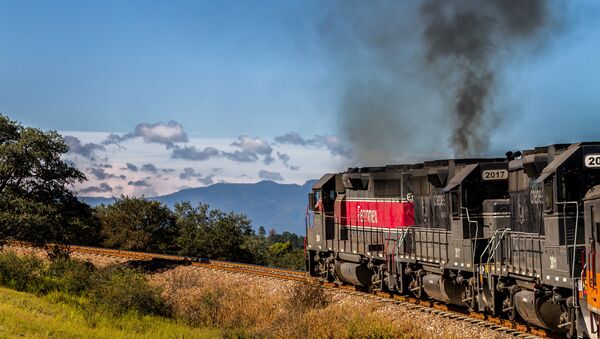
(266, 203)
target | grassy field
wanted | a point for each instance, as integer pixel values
(27, 315)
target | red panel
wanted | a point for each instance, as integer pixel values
(373, 213)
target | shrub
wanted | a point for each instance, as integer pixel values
(71, 276)
(113, 290)
(118, 290)
(237, 309)
(21, 273)
(308, 296)
(209, 305)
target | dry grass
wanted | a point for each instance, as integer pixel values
(224, 304)
(242, 308)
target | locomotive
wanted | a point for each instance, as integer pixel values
(515, 237)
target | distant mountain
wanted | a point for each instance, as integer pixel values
(266, 203)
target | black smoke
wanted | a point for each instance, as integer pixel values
(418, 75)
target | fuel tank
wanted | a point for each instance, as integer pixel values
(353, 273)
(538, 309)
(443, 289)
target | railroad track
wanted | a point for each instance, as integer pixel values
(272, 272)
(504, 326)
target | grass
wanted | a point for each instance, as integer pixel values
(26, 315)
(250, 310)
(69, 298)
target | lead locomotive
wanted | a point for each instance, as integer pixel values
(511, 237)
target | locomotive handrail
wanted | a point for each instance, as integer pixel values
(493, 251)
(473, 249)
(573, 282)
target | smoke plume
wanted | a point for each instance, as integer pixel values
(418, 75)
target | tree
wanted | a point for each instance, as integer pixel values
(281, 254)
(35, 201)
(295, 241)
(138, 224)
(212, 233)
(281, 248)
(262, 232)
(192, 226)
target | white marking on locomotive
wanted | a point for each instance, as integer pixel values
(368, 215)
(500, 174)
(592, 161)
(536, 197)
(439, 200)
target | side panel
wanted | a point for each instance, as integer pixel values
(377, 213)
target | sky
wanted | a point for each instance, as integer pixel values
(155, 96)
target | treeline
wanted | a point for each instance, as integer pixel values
(145, 225)
(36, 205)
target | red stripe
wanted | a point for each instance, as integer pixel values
(389, 214)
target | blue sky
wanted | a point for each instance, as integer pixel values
(228, 70)
(219, 68)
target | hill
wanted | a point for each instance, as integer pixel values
(266, 203)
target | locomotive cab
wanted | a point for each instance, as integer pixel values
(478, 196)
(320, 230)
(565, 182)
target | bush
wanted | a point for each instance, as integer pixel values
(236, 309)
(71, 276)
(208, 308)
(113, 290)
(293, 260)
(118, 290)
(21, 273)
(308, 296)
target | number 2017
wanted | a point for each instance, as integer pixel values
(491, 175)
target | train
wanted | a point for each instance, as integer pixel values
(515, 237)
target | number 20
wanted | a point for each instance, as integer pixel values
(593, 161)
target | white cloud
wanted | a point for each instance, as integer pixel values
(163, 133)
(251, 144)
(313, 161)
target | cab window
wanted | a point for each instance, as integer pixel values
(571, 186)
(455, 204)
(548, 197)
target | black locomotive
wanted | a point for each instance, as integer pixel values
(505, 236)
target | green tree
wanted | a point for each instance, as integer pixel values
(262, 232)
(193, 226)
(258, 248)
(138, 224)
(295, 241)
(212, 233)
(281, 248)
(35, 201)
(282, 254)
